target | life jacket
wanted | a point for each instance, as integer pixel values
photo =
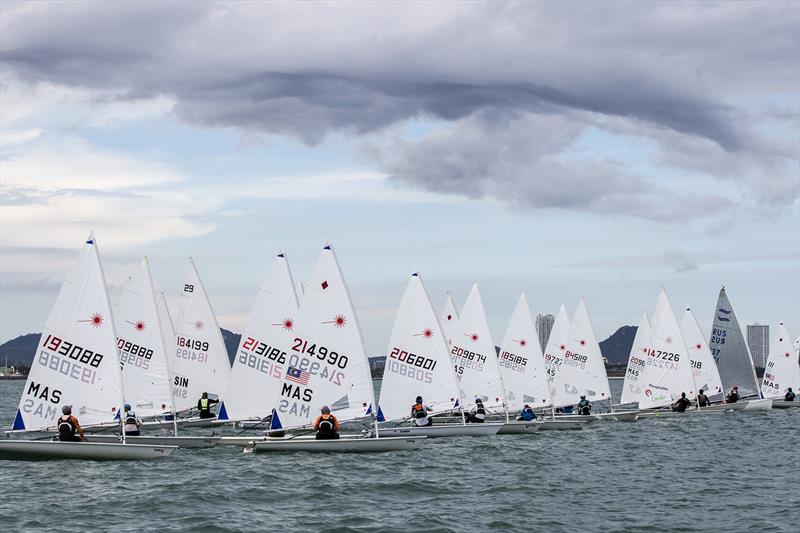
(204, 404)
(733, 397)
(480, 412)
(130, 418)
(702, 400)
(327, 424)
(527, 414)
(66, 427)
(789, 397)
(418, 410)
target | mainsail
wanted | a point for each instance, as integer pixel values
(474, 356)
(704, 368)
(200, 362)
(730, 350)
(783, 368)
(260, 363)
(142, 346)
(582, 370)
(76, 362)
(449, 320)
(325, 362)
(418, 359)
(636, 373)
(555, 350)
(668, 369)
(521, 362)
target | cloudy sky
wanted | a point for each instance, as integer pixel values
(601, 150)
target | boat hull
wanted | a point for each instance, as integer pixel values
(743, 405)
(180, 442)
(780, 403)
(442, 430)
(676, 414)
(342, 445)
(562, 425)
(34, 449)
(519, 427)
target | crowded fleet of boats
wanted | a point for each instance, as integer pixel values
(123, 382)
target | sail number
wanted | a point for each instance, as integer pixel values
(133, 354)
(512, 361)
(666, 356)
(413, 359)
(320, 352)
(73, 351)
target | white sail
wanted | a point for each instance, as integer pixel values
(167, 326)
(783, 368)
(76, 360)
(418, 359)
(668, 369)
(143, 348)
(704, 368)
(555, 350)
(730, 350)
(325, 363)
(635, 375)
(474, 356)
(260, 363)
(521, 362)
(449, 320)
(582, 371)
(200, 361)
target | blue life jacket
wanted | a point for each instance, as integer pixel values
(527, 414)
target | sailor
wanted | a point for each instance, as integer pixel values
(565, 410)
(419, 413)
(681, 404)
(702, 399)
(131, 422)
(526, 414)
(789, 395)
(733, 396)
(584, 406)
(68, 426)
(326, 426)
(204, 405)
(478, 412)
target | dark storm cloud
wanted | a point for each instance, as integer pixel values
(673, 73)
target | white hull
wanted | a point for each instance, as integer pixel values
(780, 403)
(743, 405)
(341, 445)
(518, 426)
(443, 430)
(561, 425)
(764, 404)
(31, 449)
(658, 413)
(180, 442)
(620, 416)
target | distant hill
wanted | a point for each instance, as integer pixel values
(20, 350)
(617, 347)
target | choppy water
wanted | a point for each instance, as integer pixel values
(736, 472)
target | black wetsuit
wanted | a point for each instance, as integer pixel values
(204, 404)
(67, 430)
(733, 397)
(681, 405)
(789, 397)
(584, 407)
(703, 401)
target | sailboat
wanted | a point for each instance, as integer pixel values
(418, 363)
(326, 365)
(200, 360)
(77, 364)
(783, 369)
(554, 353)
(260, 362)
(635, 373)
(735, 364)
(143, 348)
(582, 372)
(704, 368)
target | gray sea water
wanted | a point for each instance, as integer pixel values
(735, 472)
